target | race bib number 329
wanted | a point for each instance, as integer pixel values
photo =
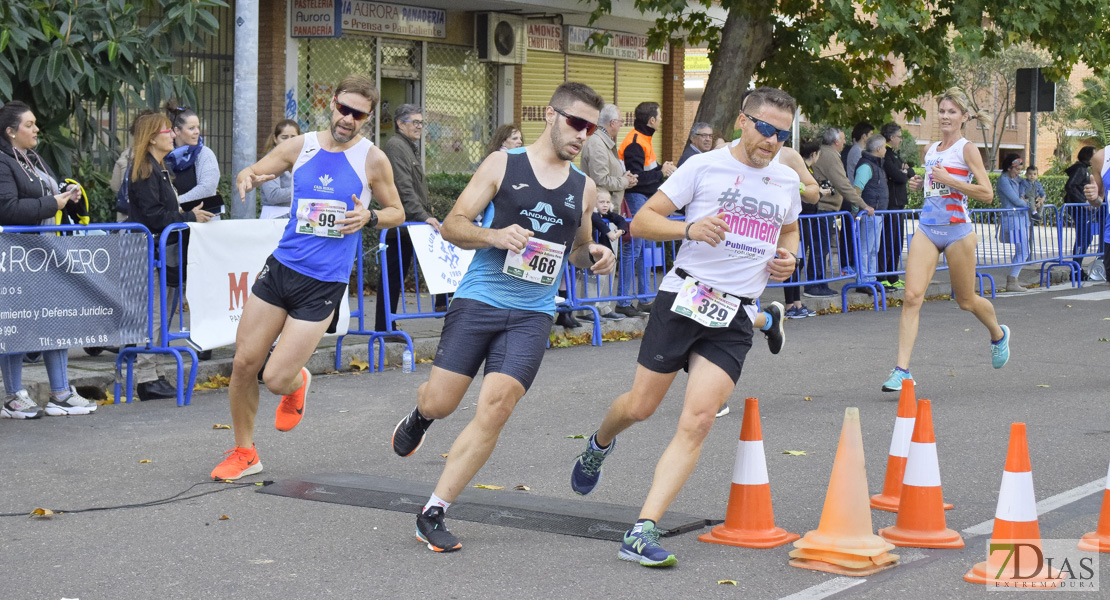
(539, 263)
(703, 304)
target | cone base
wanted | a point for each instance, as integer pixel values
(1092, 542)
(978, 574)
(844, 559)
(767, 538)
(868, 545)
(889, 503)
(818, 565)
(945, 538)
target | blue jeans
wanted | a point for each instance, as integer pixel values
(632, 254)
(871, 228)
(1019, 237)
(11, 367)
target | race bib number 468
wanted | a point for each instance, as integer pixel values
(539, 263)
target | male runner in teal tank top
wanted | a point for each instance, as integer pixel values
(535, 208)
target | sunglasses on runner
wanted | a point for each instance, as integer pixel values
(578, 123)
(347, 111)
(766, 129)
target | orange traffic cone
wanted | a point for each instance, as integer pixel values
(920, 521)
(749, 519)
(899, 450)
(844, 542)
(1015, 522)
(1099, 539)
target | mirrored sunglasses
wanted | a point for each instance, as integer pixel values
(578, 123)
(347, 111)
(766, 129)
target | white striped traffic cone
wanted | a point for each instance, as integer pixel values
(1099, 539)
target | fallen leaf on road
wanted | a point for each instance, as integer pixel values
(522, 488)
(794, 452)
(358, 365)
(1041, 385)
(44, 513)
(214, 382)
(727, 582)
(951, 372)
(218, 426)
(807, 398)
(224, 517)
(444, 455)
(343, 411)
(145, 460)
(577, 436)
(489, 487)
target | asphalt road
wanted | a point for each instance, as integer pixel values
(276, 547)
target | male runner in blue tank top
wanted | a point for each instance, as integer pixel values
(298, 291)
(535, 211)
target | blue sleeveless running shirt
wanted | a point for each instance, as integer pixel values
(322, 175)
(552, 215)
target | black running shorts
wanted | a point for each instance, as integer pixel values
(671, 338)
(511, 342)
(304, 298)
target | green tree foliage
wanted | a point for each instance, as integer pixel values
(1094, 107)
(839, 58)
(70, 58)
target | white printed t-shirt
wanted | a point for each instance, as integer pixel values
(756, 203)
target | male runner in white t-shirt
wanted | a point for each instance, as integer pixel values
(742, 227)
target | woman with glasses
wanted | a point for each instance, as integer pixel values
(29, 195)
(1013, 228)
(277, 194)
(954, 173)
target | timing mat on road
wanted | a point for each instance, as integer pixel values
(518, 509)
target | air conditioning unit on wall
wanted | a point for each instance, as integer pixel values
(500, 38)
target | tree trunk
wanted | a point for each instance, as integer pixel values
(745, 43)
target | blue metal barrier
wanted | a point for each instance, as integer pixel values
(391, 316)
(1079, 235)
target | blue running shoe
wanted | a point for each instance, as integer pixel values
(1000, 350)
(586, 472)
(643, 547)
(897, 376)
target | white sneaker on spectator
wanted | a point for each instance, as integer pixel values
(73, 404)
(20, 406)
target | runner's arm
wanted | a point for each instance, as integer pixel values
(811, 193)
(1094, 191)
(782, 266)
(380, 175)
(459, 228)
(278, 161)
(585, 254)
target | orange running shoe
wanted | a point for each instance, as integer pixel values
(240, 462)
(291, 409)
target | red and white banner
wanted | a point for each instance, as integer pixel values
(224, 260)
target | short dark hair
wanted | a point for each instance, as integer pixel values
(10, 115)
(358, 84)
(571, 91)
(890, 130)
(645, 111)
(861, 130)
(808, 148)
(1085, 153)
(178, 114)
(405, 111)
(769, 95)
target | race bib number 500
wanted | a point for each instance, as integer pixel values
(705, 305)
(319, 217)
(539, 263)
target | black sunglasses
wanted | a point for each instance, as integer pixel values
(766, 129)
(578, 123)
(347, 111)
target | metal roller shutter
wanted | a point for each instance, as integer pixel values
(640, 82)
(543, 72)
(598, 73)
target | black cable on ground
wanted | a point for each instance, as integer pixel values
(174, 498)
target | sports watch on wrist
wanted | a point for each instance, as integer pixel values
(373, 219)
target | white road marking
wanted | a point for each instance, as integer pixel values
(839, 584)
(1048, 504)
(1103, 295)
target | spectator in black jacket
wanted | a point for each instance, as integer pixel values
(898, 173)
(29, 195)
(1078, 176)
(152, 201)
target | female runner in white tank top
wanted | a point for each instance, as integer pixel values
(954, 172)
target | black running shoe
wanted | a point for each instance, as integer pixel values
(409, 433)
(431, 530)
(775, 335)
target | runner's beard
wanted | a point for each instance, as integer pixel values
(344, 139)
(560, 145)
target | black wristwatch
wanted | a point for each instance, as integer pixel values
(798, 260)
(373, 219)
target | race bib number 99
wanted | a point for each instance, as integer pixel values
(539, 263)
(705, 305)
(319, 217)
